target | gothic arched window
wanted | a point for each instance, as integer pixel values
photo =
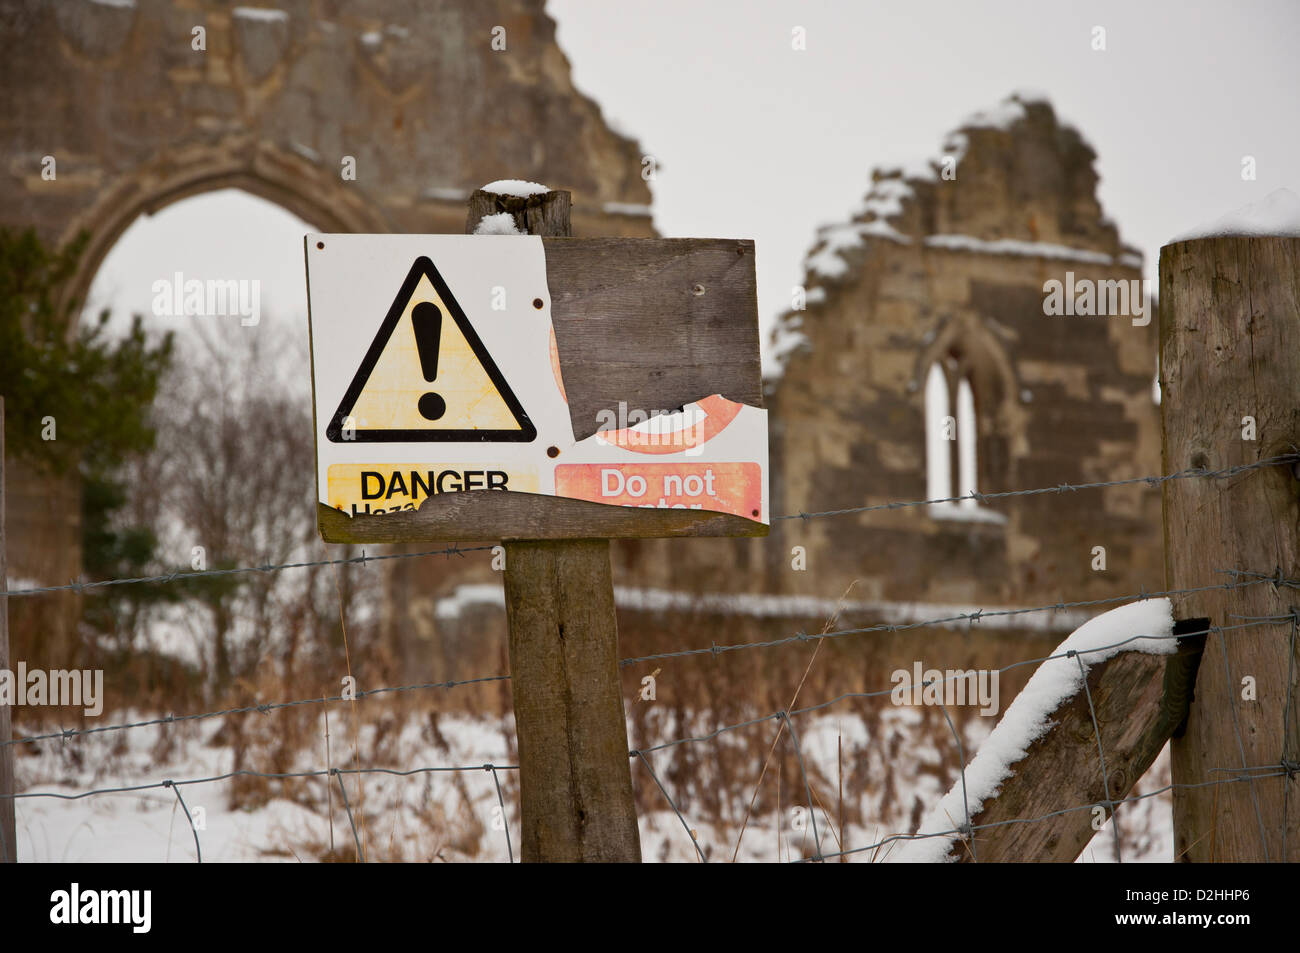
(967, 481)
(938, 443)
(952, 440)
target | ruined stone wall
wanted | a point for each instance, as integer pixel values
(936, 268)
(1059, 400)
(946, 261)
(413, 90)
(135, 118)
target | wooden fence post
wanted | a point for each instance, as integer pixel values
(8, 829)
(575, 777)
(1135, 699)
(1230, 373)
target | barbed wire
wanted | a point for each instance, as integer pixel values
(1239, 578)
(1252, 579)
(877, 693)
(966, 830)
(175, 786)
(266, 775)
(1030, 820)
(1152, 481)
(1276, 579)
(454, 550)
(184, 575)
(68, 733)
(671, 803)
(784, 716)
(1101, 755)
(1243, 774)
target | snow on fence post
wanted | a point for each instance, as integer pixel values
(8, 833)
(1038, 789)
(1230, 374)
(575, 774)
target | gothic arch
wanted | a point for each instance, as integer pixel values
(136, 116)
(137, 113)
(285, 181)
(968, 350)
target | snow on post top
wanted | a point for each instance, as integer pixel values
(516, 187)
(502, 223)
(1276, 214)
(1145, 626)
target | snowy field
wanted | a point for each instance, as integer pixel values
(455, 816)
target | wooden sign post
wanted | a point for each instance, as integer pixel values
(442, 421)
(575, 777)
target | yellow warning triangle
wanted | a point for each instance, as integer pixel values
(428, 377)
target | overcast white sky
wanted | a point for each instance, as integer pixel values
(758, 140)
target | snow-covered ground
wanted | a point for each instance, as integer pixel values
(894, 767)
(422, 816)
(425, 794)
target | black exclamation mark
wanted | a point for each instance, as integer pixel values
(426, 319)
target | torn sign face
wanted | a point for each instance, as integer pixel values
(435, 371)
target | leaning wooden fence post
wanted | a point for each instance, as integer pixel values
(575, 776)
(1230, 373)
(1135, 700)
(8, 830)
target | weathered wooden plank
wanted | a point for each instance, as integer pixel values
(1137, 708)
(655, 323)
(652, 323)
(1230, 349)
(494, 514)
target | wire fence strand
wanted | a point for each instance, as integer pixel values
(966, 830)
(1150, 481)
(198, 851)
(77, 585)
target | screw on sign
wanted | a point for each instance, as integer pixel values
(443, 414)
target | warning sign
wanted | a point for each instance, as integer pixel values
(723, 487)
(427, 376)
(435, 371)
(376, 488)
